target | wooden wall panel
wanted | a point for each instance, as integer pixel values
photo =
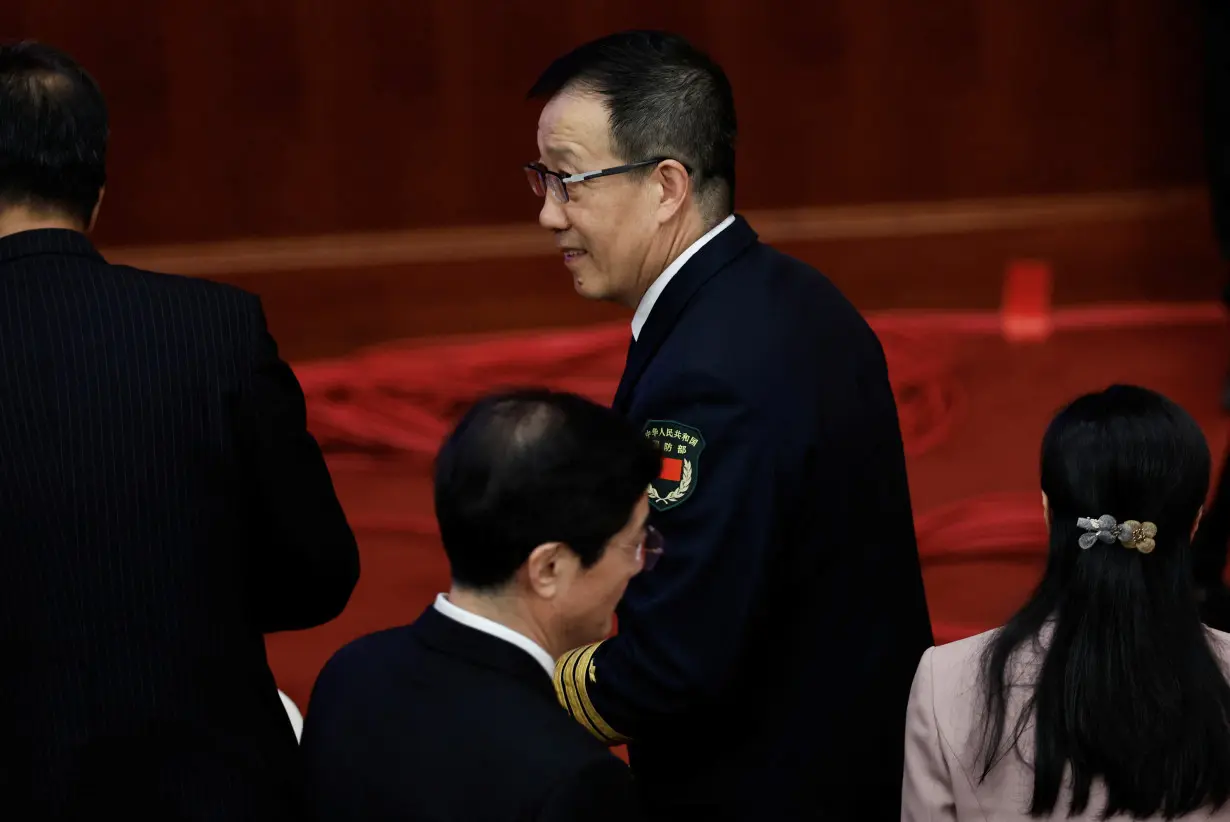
(265, 118)
(329, 296)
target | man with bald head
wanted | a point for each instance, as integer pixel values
(762, 671)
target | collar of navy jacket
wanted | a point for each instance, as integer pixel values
(495, 629)
(59, 241)
(708, 261)
(482, 650)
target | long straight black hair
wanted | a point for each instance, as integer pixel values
(1130, 691)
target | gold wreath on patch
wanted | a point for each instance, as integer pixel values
(685, 482)
(1129, 533)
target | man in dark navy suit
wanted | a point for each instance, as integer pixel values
(542, 508)
(762, 671)
(162, 504)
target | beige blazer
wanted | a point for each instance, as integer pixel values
(941, 738)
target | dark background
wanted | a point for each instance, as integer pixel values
(272, 120)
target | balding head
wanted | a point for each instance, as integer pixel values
(531, 467)
(542, 500)
(53, 134)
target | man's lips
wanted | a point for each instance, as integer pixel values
(571, 254)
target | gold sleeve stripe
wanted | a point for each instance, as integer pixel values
(562, 666)
(566, 678)
(573, 672)
(558, 679)
(584, 672)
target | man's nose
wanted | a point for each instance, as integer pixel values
(551, 215)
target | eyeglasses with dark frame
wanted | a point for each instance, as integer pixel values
(650, 548)
(543, 179)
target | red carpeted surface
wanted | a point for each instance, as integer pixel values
(973, 406)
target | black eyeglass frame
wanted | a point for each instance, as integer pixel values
(539, 176)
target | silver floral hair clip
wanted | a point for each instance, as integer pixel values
(1131, 534)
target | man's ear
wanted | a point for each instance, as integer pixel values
(675, 187)
(547, 567)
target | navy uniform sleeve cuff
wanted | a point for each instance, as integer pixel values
(574, 677)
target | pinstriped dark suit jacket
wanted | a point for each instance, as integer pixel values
(161, 507)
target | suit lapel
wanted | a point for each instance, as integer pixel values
(621, 393)
(674, 299)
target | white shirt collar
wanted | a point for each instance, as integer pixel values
(495, 629)
(659, 285)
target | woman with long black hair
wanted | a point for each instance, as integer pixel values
(1105, 694)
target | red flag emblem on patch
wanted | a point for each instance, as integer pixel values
(672, 469)
(680, 447)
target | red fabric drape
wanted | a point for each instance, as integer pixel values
(401, 398)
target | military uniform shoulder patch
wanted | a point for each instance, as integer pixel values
(681, 446)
